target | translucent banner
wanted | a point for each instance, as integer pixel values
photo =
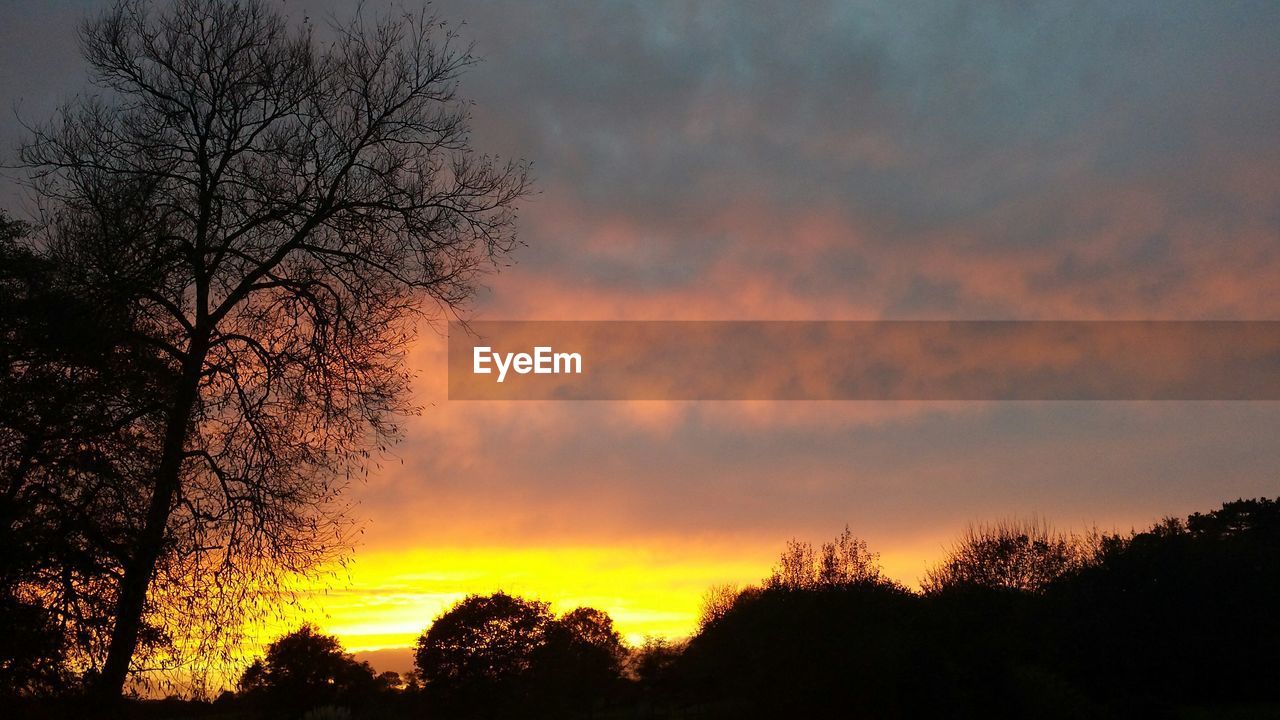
(865, 360)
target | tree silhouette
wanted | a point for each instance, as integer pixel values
(305, 669)
(481, 650)
(1021, 621)
(825, 633)
(32, 650)
(717, 601)
(1184, 610)
(491, 653)
(1022, 555)
(579, 663)
(815, 651)
(651, 664)
(843, 561)
(276, 211)
(76, 389)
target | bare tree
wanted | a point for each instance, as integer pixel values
(796, 567)
(283, 209)
(843, 562)
(717, 601)
(847, 561)
(1024, 555)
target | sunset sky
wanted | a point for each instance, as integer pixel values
(744, 161)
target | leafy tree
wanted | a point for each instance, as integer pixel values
(651, 664)
(306, 669)
(391, 680)
(482, 649)
(75, 387)
(796, 568)
(32, 650)
(489, 652)
(1182, 611)
(813, 651)
(847, 561)
(655, 674)
(579, 663)
(254, 678)
(827, 633)
(273, 212)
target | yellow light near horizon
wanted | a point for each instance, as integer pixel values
(386, 599)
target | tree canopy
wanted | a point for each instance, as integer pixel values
(499, 651)
(305, 669)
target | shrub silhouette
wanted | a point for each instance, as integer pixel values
(652, 668)
(827, 632)
(717, 601)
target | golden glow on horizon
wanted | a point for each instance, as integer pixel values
(385, 599)
(392, 597)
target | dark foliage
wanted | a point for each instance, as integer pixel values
(1011, 555)
(1186, 611)
(76, 387)
(1176, 621)
(1020, 622)
(579, 664)
(782, 650)
(307, 669)
(480, 652)
(493, 655)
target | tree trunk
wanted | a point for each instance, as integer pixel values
(141, 565)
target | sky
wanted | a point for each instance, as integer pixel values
(850, 160)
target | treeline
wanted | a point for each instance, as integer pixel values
(1017, 621)
(1179, 620)
(492, 654)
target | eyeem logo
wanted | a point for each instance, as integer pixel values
(543, 361)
